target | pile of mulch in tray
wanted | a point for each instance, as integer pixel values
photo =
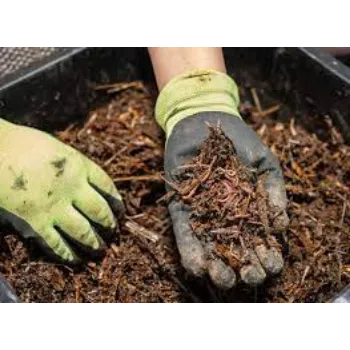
(316, 164)
(142, 264)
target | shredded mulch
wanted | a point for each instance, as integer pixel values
(142, 262)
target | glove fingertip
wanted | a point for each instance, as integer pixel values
(281, 222)
(194, 264)
(114, 201)
(117, 206)
(221, 275)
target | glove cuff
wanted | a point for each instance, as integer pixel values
(194, 92)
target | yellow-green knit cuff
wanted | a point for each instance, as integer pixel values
(194, 92)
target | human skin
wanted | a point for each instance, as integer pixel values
(169, 62)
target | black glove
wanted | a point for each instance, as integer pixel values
(184, 107)
(7, 294)
(183, 143)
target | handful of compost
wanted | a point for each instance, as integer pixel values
(230, 197)
(229, 209)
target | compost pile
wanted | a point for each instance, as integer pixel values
(228, 201)
(142, 263)
(316, 164)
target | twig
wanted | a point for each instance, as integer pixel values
(192, 166)
(311, 217)
(346, 268)
(262, 130)
(256, 99)
(314, 165)
(165, 228)
(108, 144)
(77, 286)
(87, 124)
(208, 172)
(190, 190)
(106, 86)
(166, 197)
(115, 249)
(243, 244)
(65, 133)
(153, 177)
(306, 271)
(266, 112)
(170, 183)
(292, 128)
(136, 229)
(153, 217)
(117, 87)
(319, 253)
(37, 263)
(341, 222)
(297, 168)
(110, 160)
(294, 142)
(137, 216)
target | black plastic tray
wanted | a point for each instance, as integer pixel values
(51, 95)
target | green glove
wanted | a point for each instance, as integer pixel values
(184, 107)
(51, 192)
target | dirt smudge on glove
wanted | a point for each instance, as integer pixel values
(59, 166)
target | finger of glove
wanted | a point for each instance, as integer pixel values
(270, 258)
(102, 183)
(252, 273)
(77, 227)
(46, 236)
(275, 188)
(54, 244)
(95, 207)
(7, 294)
(190, 249)
(221, 274)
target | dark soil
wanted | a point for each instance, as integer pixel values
(142, 263)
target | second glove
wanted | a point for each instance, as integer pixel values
(52, 193)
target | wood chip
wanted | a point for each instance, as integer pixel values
(138, 230)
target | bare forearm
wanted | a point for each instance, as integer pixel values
(171, 61)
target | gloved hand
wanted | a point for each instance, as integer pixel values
(183, 108)
(51, 192)
(7, 294)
